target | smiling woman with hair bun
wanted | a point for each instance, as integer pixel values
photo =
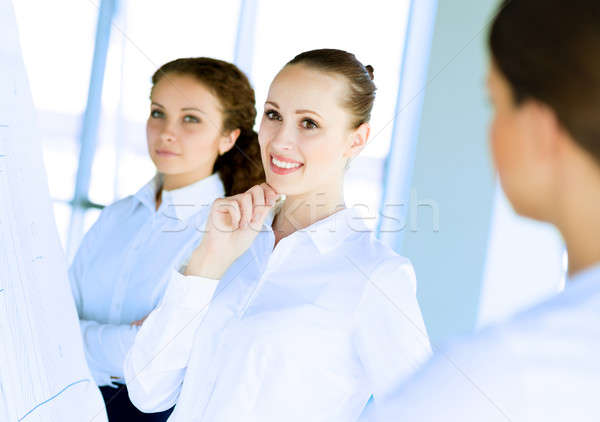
(289, 310)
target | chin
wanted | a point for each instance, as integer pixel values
(526, 206)
(284, 186)
(169, 170)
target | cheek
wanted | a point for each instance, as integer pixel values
(197, 142)
(494, 138)
(264, 136)
(510, 154)
(323, 154)
(152, 132)
(502, 144)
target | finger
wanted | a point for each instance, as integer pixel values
(245, 204)
(260, 216)
(269, 193)
(235, 214)
(227, 215)
(258, 195)
(258, 199)
(262, 204)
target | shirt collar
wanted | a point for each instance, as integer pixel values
(581, 286)
(331, 231)
(147, 194)
(183, 202)
(188, 200)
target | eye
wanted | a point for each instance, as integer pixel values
(309, 124)
(272, 115)
(156, 114)
(190, 119)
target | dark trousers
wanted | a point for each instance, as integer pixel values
(120, 408)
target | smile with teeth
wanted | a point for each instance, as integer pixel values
(285, 164)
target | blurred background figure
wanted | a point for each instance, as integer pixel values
(544, 83)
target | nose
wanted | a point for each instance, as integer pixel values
(167, 134)
(283, 139)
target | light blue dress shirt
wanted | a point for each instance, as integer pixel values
(121, 269)
(542, 366)
(305, 331)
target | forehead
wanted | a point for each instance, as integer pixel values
(301, 87)
(182, 91)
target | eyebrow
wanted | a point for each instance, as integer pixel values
(301, 111)
(183, 109)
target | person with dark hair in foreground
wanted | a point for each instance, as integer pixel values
(542, 365)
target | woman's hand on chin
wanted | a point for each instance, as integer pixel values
(232, 226)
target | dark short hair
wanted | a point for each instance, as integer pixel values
(549, 50)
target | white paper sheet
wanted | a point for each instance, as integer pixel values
(43, 374)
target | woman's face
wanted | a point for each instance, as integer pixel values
(519, 148)
(305, 134)
(184, 128)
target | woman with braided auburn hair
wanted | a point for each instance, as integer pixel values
(200, 137)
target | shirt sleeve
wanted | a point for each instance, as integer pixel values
(155, 366)
(85, 252)
(390, 338)
(468, 381)
(105, 345)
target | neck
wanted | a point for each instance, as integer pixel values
(300, 211)
(581, 232)
(579, 214)
(178, 181)
(181, 180)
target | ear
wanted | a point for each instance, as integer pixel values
(227, 142)
(358, 140)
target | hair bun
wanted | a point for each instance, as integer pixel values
(370, 70)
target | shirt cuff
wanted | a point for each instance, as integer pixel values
(189, 291)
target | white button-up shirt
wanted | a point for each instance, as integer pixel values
(305, 331)
(544, 365)
(122, 267)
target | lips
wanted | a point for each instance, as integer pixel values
(282, 165)
(166, 153)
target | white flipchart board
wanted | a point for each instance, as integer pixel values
(43, 373)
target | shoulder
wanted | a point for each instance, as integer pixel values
(564, 324)
(471, 379)
(561, 328)
(119, 209)
(385, 275)
(110, 216)
(530, 339)
(376, 258)
(122, 206)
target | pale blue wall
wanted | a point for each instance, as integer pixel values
(453, 168)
